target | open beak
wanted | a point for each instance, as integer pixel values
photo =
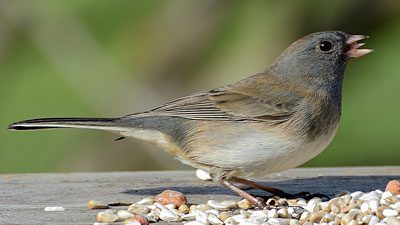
(353, 48)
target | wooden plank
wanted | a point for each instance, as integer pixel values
(23, 197)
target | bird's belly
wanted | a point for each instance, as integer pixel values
(253, 153)
(293, 156)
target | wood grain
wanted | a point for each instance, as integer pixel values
(23, 197)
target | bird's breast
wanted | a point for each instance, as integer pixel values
(320, 118)
(252, 149)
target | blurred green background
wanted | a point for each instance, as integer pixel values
(109, 58)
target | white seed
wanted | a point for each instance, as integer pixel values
(329, 217)
(272, 213)
(340, 215)
(245, 213)
(336, 205)
(214, 220)
(278, 221)
(54, 209)
(353, 222)
(190, 216)
(324, 206)
(146, 201)
(224, 215)
(356, 195)
(202, 207)
(257, 212)
(151, 207)
(390, 212)
(132, 223)
(304, 216)
(283, 213)
(364, 207)
(395, 206)
(365, 219)
(258, 218)
(230, 221)
(370, 195)
(203, 175)
(244, 204)
(301, 202)
(123, 214)
(160, 206)
(315, 199)
(194, 223)
(311, 206)
(106, 217)
(382, 201)
(177, 212)
(183, 208)
(248, 222)
(316, 217)
(152, 216)
(393, 221)
(259, 215)
(156, 211)
(138, 209)
(294, 222)
(168, 216)
(374, 220)
(265, 223)
(170, 206)
(224, 205)
(349, 217)
(290, 210)
(292, 202)
(200, 216)
(373, 204)
(212, 211)
(386, 194)
(239, 218)
(346, 199)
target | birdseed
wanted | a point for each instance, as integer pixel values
(372, 208)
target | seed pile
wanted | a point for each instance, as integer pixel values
(372, 208)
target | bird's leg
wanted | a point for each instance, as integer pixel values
(269, 189)
(255, 201)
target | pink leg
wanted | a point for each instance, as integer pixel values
(255, 201)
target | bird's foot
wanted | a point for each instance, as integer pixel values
(305, 195)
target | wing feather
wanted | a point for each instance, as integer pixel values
(234, 102)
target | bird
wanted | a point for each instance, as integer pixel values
(268, 122)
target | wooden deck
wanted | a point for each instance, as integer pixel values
(23, 197)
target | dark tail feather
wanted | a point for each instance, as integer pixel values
(109, 124)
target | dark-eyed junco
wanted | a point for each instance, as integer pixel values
(268, 122)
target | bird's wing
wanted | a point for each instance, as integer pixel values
(231, 103)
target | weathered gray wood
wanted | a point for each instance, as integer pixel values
(23, 197)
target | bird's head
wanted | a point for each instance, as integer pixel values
(319, 59)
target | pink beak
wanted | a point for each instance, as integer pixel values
(353, 50)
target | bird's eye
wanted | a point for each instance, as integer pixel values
(326, 46)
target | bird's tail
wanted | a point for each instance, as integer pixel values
(109, 124)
